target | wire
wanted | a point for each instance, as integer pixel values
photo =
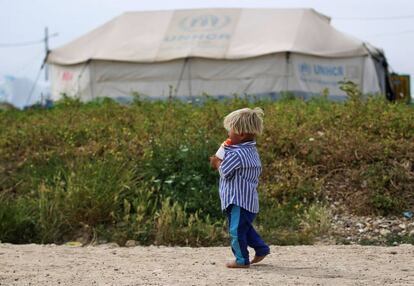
(393, 34)
(28, 64)
(21, 44)
(34, 85)
(402, 17)
(29, 43)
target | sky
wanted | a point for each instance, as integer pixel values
(383, 23)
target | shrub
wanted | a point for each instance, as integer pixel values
(105, 170)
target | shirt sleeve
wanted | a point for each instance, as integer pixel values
(229, 165)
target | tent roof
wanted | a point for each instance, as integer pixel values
(223, 33)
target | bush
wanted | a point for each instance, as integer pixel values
(17, 221)
(105, 170)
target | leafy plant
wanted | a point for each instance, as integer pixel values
(140, 171)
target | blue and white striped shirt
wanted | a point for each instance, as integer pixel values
(239, 176)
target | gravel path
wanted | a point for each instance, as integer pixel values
(288, 265)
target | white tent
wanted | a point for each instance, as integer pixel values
(216, 51)
(22, 92)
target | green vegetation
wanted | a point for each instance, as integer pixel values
(109, 171)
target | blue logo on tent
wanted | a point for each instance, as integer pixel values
(327, 70)
(305, 69)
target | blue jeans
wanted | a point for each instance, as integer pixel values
(242, 234)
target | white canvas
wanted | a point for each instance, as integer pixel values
(214, 51)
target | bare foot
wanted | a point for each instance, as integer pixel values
(257, 259)
(234, 264)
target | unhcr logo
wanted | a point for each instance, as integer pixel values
(306, 69)
(202, 28)
(204, 23)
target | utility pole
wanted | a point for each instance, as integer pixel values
(46, 40)
(46, 51)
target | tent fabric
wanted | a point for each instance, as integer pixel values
(186, 53)
(195, 76)
(22, 92)
(230, 34)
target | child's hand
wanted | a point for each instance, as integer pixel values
(215, 162)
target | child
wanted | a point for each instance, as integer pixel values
(239, 176)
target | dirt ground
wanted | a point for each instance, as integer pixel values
(288, 265)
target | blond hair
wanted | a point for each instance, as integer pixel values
(245, 121)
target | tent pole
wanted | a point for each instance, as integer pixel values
(287, 71)
(189, 78)
(80, 76)
(181, 76)
(91, 79)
